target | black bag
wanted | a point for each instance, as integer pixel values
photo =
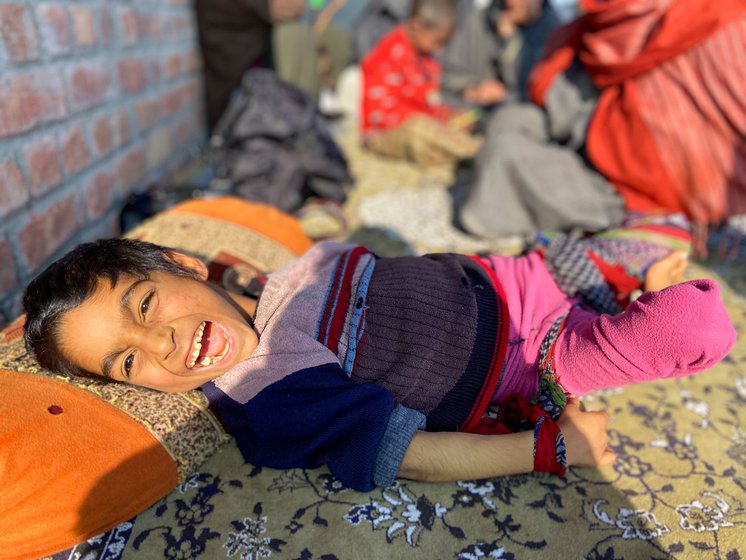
(271, 145)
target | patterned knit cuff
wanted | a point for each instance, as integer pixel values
(403, 424)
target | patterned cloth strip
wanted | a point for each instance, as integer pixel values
(577, 275)
(550, 396)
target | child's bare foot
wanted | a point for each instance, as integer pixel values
(666, 272)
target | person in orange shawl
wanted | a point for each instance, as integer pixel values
(639, 106)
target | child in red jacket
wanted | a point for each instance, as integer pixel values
(402, 113)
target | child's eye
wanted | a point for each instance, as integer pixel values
(145, 305)
(127, 365)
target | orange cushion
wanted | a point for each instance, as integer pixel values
(71, 466)
(114, 449)
(263, 219)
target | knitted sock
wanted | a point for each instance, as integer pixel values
(640, 241)
(603, 270)
(675, 332)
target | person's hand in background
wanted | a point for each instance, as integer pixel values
(285, 10)
(517, 13)
(488, 92)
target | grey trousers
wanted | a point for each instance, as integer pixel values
(296, 49)
(529, 175)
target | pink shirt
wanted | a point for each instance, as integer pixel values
(534, 304)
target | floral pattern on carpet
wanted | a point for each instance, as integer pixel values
(677, 491)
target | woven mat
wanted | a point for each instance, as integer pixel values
(677, 490)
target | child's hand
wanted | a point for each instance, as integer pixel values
(585, 435)
(488, 92)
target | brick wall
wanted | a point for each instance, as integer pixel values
(98, 98)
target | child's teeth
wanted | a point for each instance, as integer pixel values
(197, 347)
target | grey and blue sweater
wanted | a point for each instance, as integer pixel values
(356, 353)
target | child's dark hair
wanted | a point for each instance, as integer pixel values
(68, 282)
(434, 14)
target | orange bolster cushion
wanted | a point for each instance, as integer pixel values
(78, 456)
(78, 466)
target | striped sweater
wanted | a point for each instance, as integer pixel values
(357, 353)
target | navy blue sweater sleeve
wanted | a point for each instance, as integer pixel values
(314, 416)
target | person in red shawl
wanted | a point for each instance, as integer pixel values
(639, 105)
(402, 114)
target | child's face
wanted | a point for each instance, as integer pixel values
(169, 333)
(428, 40)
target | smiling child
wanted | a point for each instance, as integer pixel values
(377, 367)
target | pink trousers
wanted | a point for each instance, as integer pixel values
(672, 333)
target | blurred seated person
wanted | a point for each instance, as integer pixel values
(235, 35)
(637, 107)
(402, 114)
(378, 19)
(311, 51)
(490, 56)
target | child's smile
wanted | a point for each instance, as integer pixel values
(168, 332)
(210, 345)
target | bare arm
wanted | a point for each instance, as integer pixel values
(448, 456)
(325, 17)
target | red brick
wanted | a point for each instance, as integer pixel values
(106, 227)
(17, 33)
(131, 168)
(149, 26)
(181, 96)
(75, 154)
(13, 192)
(188, 128)
(172, 101)
(89, 84)
(156, 72)
(105, 25)
(159, 148)
(174, 65)
(100, 193)
(192, 91)
(176, 26)
(50, 85)
(148, 112)
(133, 75)
(192, 61)
(83, 26)
(103, 136)
(54, 28)
(124, 128)
(8, 273)
(46, 230)
(43, 165)
(127, 19)
(29, 99)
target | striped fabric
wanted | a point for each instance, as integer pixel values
(431, 330)
(590, 268)
(342, 322)
(669, 129)
(695, 109)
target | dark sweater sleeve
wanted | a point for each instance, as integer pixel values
(317, 416)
